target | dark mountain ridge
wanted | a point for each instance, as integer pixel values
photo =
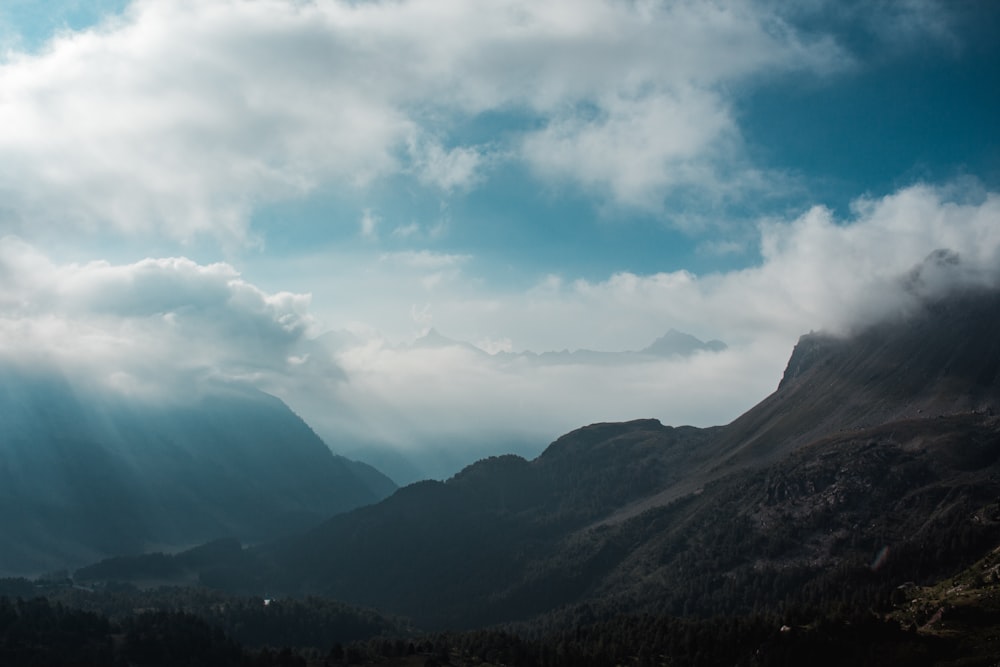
(942, 360)
(101, 474)
(874, 463)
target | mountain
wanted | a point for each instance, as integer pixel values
(434, 340)
(672, 344)
(875, 463)
(444, 457)
(376, 482)
(677, 343)
(437, 455)
(942, 361)
(86, 474)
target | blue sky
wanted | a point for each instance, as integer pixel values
(522, 176)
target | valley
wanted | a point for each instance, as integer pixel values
(874, 466)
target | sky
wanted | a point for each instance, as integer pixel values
(195, 191)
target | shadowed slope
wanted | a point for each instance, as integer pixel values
(83, 477)
(943, 360)
(876, 461)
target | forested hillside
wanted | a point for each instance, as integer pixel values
(875, 463)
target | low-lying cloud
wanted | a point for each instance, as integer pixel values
(162, 326)
(817, 272)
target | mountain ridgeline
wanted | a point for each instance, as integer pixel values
(672, 344)
(442, 455)
(875, 463)
(89, 475)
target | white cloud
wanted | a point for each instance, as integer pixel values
(447, 169)
(446, 394)
(158, 322)
(431, 269)
(183, 117)
(422, 316)
(406, 231)
(369, 224)
(817, 272)
(638, 148)
(424, 259)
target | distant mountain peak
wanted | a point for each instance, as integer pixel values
(433, 335)
(434, 339)
(678, 343)
(673, 343)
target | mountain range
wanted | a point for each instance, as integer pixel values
(439, 455)
(874, 464)
(86, 474)
(674, 343)
(90, 473)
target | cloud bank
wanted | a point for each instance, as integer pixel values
(161, 324)
(817, 273)
(158, 327)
